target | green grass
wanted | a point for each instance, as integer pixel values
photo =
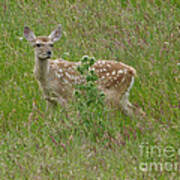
(143, 34)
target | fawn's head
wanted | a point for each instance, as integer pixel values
(42, 44)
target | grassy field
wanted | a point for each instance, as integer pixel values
(142, 33)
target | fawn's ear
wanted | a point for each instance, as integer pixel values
(28, 34)
(56, 34)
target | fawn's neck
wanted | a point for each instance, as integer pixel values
(41, 69)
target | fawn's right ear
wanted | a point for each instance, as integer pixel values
(28, 34)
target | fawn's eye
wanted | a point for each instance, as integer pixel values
(38, 45)
(51, 45)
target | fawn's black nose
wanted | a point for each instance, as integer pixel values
(49, 53)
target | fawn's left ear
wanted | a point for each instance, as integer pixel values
(28, 34)
(56, 34)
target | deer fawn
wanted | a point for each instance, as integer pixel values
(57, 77)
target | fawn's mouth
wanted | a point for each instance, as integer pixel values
(45, 58)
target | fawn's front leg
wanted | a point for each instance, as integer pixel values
(52, 104)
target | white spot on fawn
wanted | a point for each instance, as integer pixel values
(66, 81)
(115, 78)
(123, 79)
(68, 75)
(120, 71)
(114, 72)
(60, 70)
(107, 74)
(59, 75)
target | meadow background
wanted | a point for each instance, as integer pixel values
(142, 33)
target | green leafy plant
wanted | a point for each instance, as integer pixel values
(90, 100)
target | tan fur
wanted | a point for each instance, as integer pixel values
(58, 77)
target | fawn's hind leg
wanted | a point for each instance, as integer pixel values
(130, 109)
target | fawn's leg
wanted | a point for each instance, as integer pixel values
(129, 109)
(126, 106)
(50, 108)
(52, 104)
